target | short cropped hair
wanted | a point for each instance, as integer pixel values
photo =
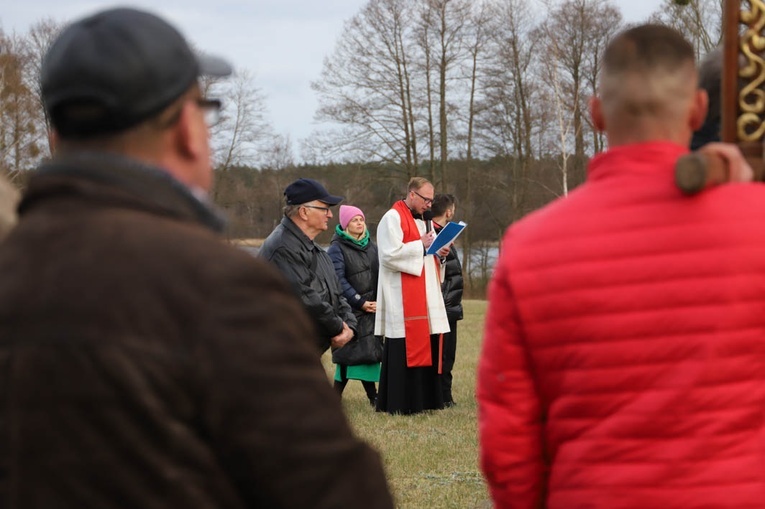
(648, 71)
(442, 203)
(291, 210)
(416, 183)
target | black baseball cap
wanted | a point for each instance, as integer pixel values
(305, 190)
(124, 65)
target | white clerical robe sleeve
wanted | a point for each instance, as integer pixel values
(394, 253)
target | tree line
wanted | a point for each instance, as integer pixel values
(486, 98)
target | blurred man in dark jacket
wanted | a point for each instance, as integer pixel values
(444, 206)
(710, 80)
(306, 265)
(146, 363)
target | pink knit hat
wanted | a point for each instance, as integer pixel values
(348, 212)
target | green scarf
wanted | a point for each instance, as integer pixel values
(363, 242)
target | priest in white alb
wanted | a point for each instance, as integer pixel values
(410, 308)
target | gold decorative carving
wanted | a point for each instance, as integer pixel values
(751, 122)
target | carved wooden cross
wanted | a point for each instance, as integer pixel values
(743, 97)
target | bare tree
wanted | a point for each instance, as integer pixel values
(20, 131)
(23, 124)
(699, 20)
(278, 154)
(507, 119)
(564, 125)
(477, 41)
(446, 22)
(605, 26)
(40, 37)
(424, 40)
(244, 129)
(366, 85)
(574, 31)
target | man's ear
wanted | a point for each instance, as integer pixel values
(698, 113)
(596, 114)
(185, 151)
(190, 135)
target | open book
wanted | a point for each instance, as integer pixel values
(446, 236)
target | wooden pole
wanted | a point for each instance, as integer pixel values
(729, 99)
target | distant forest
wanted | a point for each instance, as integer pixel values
(253, 199)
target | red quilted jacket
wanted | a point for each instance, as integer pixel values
(623, 363)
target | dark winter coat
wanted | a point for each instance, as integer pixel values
(453, 283)
(357, 269)
(308, 267)
(146, 363)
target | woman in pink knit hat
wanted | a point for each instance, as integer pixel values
(354, 256)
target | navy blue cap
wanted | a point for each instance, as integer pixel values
(305, 190)
(124, 65)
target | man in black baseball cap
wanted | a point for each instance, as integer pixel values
(307, 190)
(306, 265)
(147, 363)
(121, 66)
(126, 81)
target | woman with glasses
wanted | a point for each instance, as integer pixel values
(354, 256)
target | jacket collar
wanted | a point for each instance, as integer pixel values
(655, 157)
(290, 226)
(119, 181)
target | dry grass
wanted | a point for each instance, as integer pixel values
(431, 459)
(248, 242)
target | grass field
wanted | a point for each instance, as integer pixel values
(431, 459)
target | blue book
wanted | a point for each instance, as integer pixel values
(446, 236)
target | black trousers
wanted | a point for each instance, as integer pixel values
(405, 390)
(450, 354)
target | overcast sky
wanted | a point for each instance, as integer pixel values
(283, 42)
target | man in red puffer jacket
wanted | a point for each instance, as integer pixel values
(624, 356)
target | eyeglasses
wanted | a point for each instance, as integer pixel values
(326, 210)
(211, 110)
(428, 201)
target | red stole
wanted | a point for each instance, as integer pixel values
(415, 301)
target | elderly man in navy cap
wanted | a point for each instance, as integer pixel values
(291, 248)
(145, 362)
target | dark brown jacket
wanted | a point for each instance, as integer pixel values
(145, 363)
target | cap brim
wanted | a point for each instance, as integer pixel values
(331, 200)
(210, 65)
